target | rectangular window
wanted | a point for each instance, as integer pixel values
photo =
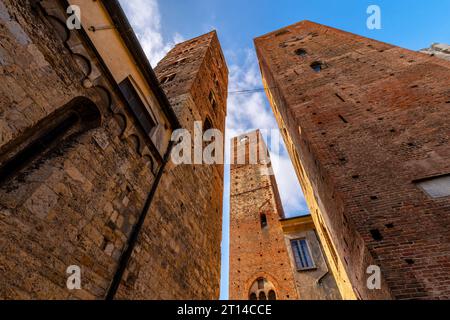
(302, 255)
(437, 187)
(138, 108)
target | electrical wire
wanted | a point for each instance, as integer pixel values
(249, 91)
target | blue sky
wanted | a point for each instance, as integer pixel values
(413, 24)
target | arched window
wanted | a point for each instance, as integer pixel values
(262, 289)
(263, 220)
(79, 115)
(272, 295)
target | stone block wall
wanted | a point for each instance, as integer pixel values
(181, 238)
(76, 201)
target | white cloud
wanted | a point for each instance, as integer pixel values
(250, 111)
(288, 185)
(145, 18)
(246, 112)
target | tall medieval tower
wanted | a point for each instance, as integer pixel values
(271, 256)
(367, 127)
(259, 261)
(188, 204)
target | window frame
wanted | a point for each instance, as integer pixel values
(308, 247)
(143, 110)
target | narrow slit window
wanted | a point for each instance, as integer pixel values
(207, 125)
(376, 235)
(263, 219)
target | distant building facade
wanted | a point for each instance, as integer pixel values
(367, 128)
(312, 275)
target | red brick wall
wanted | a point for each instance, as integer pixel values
(374, 120)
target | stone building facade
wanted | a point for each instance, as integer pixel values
(270, 257)
(367, 128)
(85, 174)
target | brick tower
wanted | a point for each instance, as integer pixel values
(259, 262)
(367, 127)
(188, 205)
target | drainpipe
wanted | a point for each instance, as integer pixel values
(125, 258)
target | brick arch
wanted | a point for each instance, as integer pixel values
(50, 133)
